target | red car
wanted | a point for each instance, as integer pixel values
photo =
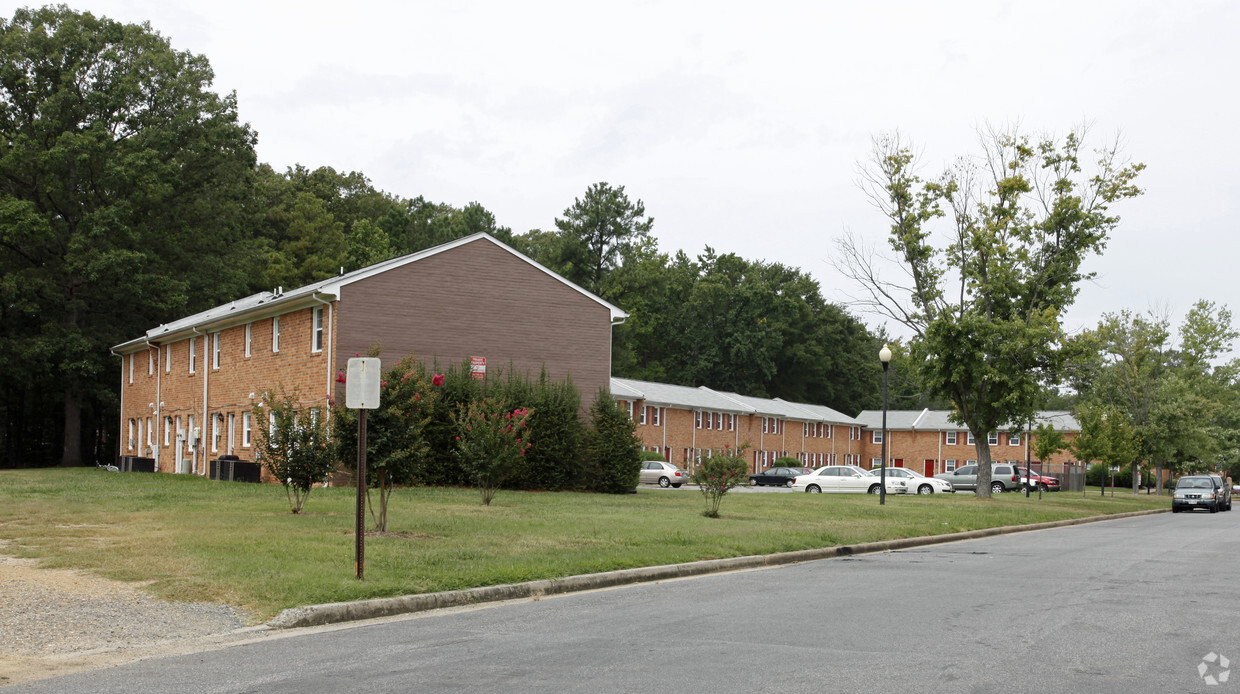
(1036, 481)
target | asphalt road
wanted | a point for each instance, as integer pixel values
(1131, 605)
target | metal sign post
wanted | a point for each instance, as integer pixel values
(361, 392)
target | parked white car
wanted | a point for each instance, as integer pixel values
(918, 483)
(845, 479)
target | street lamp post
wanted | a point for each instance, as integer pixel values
(884, 356)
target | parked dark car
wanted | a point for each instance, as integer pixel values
(1222, 483)
(777, 476)
(1200, 491)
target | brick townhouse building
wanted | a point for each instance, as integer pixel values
(928, 442)
(188, 387)
(685, 424)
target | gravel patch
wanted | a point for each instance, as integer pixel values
(51, 615)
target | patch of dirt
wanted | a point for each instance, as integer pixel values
(57, 621)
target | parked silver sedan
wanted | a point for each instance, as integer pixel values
(663, 474)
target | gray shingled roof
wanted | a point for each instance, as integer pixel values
(939, 420)
(681, 396)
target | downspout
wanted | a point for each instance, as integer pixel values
(693, 441)
(206, 369)
(158, 420)
(939, 462)
(327, 349)
(120, 445)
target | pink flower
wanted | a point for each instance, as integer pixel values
(357, 354)
(340, 377)
(458, 438)
(437, 380)
(417, 396)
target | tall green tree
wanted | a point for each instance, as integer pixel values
(123, 184)
(984, 308)
(596, 232)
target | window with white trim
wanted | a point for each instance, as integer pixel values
(1014, 438)
(131, 356)
(316, 341)
(189, 432)
(275, 334)
(710, 419)
(876, 436)
(993, 438)
(949, 438)
(271, 424)
(132, 439)
(193, 354)
(969, 440)
(657, 416)
(245, 429)
(731, 422)
(150, 433)
(215, 432)
(150, 362)
(697, 419)
(249, 333)
(167, 431)
(875, 463)
(718, 421)
(642, 419)
(167, 358)
(949, 465)
(215, 350)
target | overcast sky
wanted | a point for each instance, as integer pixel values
(741, 125)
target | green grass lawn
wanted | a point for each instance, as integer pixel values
(188, 538)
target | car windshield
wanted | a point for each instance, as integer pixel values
(1194, 483)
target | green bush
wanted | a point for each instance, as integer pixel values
(787, 461)
(612, 449)
(653, 455)
(294, 447)
(716, 475)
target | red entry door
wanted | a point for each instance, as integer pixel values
(929, 471)
(897, 462)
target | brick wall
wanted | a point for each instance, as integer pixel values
(295, 368)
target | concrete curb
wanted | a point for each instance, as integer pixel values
(332, 613)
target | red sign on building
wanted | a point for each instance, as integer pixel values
(478, 368)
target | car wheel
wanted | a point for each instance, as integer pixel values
(1176, 509)
(1214, 508)
(996, 488)
(753, 483)
(665, 482)
(813, 489)
(675, 486)
(925, 489)
(788, 484)
(873, 489)
(1043, 488)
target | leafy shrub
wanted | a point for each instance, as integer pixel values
(786, 461)
(491, 440)
(612, 448)
(396, 445)
(292, 445)
(716, 475)
(652, 455)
